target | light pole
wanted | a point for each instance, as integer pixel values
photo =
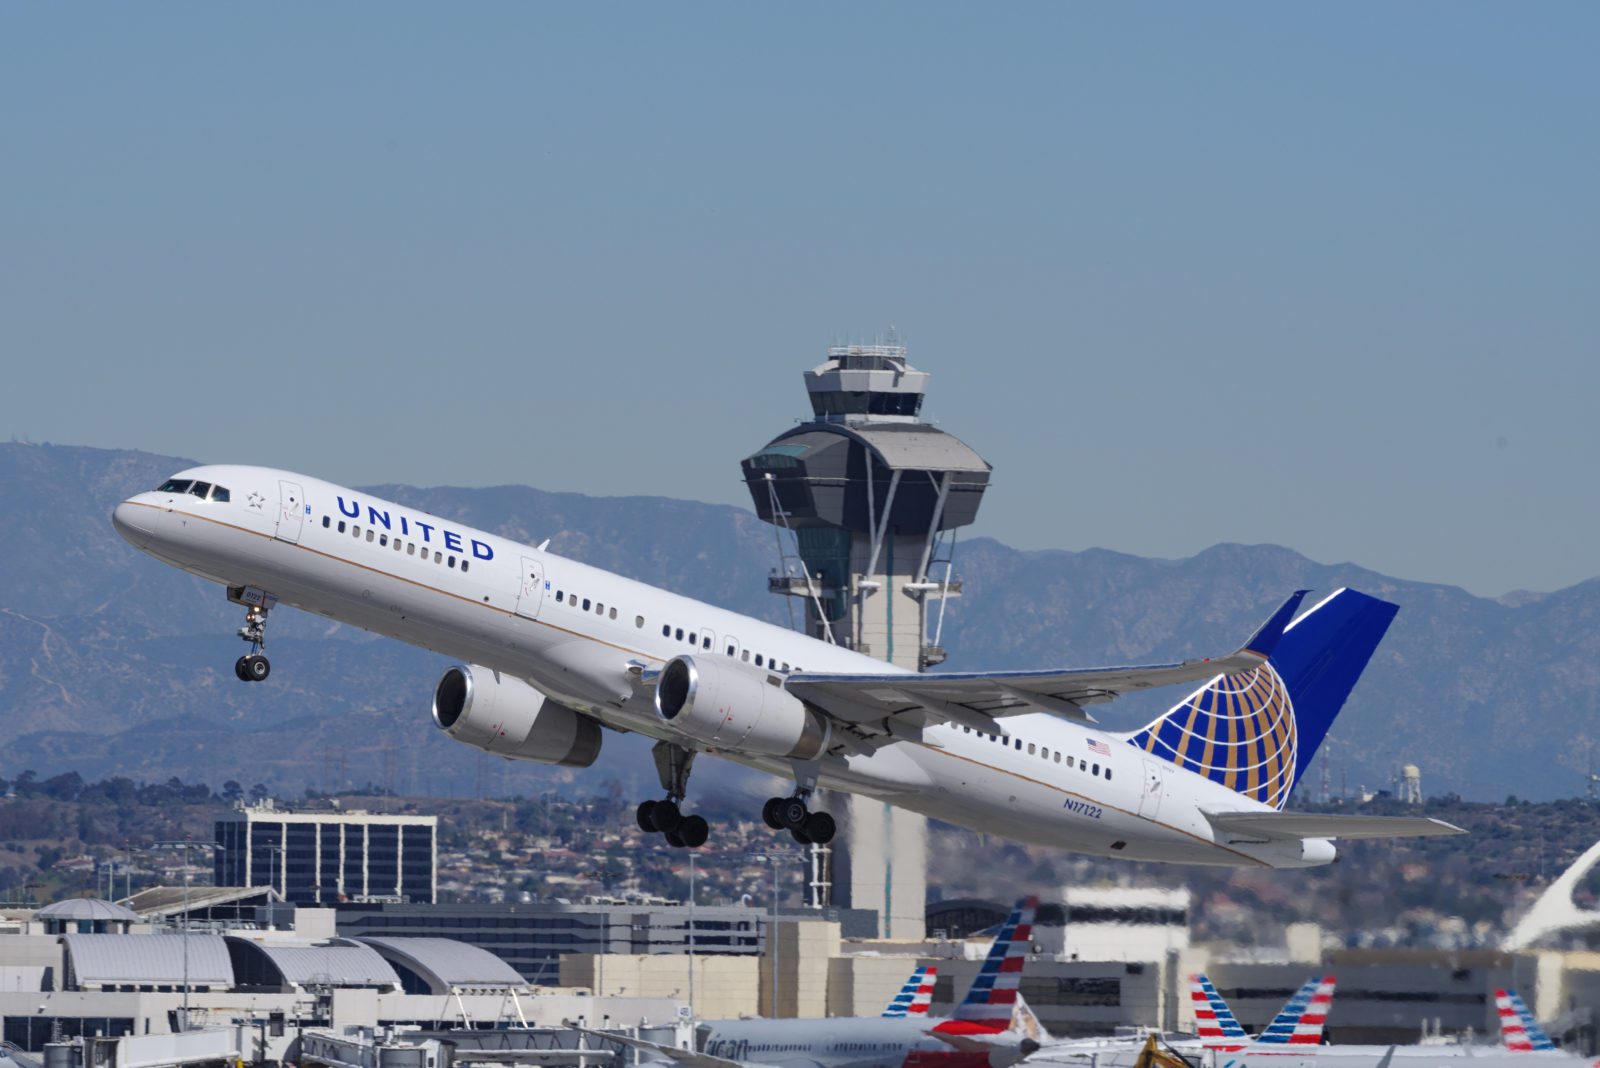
(691, 934)
(184, 847)
(774, 856)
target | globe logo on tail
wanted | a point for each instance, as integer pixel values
(1238, 730)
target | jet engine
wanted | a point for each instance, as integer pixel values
(731, 705)
(494, 712)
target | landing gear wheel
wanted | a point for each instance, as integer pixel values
(693, 831)
(256, 668)
(674, 840)
(792, 812)
(665, 816)
(646, 824)
(820, 828)
(238, 669)
(799, 836)
(769, 813)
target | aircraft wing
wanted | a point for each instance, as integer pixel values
(903, 703)
(687, 1057)
(1293, 826)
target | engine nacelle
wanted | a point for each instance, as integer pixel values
(505, 716)
(732, 705)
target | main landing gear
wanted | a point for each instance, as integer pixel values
(803, 825)
(665, 817)
(253, 667)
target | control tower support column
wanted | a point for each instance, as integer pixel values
(873, 496)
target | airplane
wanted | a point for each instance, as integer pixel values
(1519, 1031)
(555, 652)
(991, 1028)
(916, 996)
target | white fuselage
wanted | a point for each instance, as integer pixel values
(576, 634)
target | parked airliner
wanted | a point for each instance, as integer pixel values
(555, 652)
(991, 1028)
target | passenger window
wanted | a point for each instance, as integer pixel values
(200, 489)
(1019, 745)
(175, 485)
(586, 604)
(666, 629)
(1096, 770)
(411, 546)
(730, 650)
(341, 526)
(220, 493)
(383, 539)
(369, 533)
(758, 660)
(1030, 749)
(966, 730)
(355, 531)
(785, 666)
(693, 640)
(599, 609)
(1058, 756)
(705, 643)
(638, 621)
(1108, 773)
(463, 564)
(678, 634)
(438, 556)
(1069, 762)
(325, 522)
(451, 562)
(613, 614)
(397, 545)
(745, 656)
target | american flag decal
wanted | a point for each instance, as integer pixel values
(1096, 746)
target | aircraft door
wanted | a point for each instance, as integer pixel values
(530, 588)
(1155, 778)
(291, 511)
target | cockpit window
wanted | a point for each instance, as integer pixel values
(219, 493)
(200, 489)
(176, 485)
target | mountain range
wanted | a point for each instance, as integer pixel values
(114, 664)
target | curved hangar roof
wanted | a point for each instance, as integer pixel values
(443, 965)
(87, 908)
(102, 960)
(820, 473)
(336, 963)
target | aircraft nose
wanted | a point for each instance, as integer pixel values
(135, 522)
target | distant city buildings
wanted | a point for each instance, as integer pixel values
(317, 858)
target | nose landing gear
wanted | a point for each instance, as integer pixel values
(253, 667)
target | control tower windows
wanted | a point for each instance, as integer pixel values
(861, 402)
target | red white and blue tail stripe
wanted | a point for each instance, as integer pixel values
(1519, 1031)
(989, 1002)
(1214, 1022)
(1301, 1019)
(915, 997)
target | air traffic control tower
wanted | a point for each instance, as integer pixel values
(873, 496)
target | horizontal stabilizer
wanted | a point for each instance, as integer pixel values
(1294, 826)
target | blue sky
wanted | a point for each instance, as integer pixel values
(1323, 276)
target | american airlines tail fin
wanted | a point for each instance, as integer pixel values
(915, 997)
(990, 1002)
(1519, 1031)
(1256, 731)
(1299, 1022)
(1214, 1021)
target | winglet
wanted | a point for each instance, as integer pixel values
(1265, 640)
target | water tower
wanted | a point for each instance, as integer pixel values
(873, 496)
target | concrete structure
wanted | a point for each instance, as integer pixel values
(534, 938)
(312, 858)
(1555, 913)
(86, 915)
(873, 497)
(1117, 924)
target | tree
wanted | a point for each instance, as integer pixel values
(232, 791)
(259, 792)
